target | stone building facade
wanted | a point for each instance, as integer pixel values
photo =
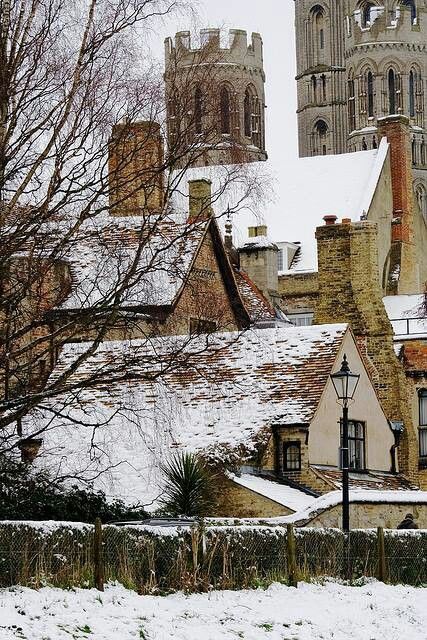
(215, 95)
(358, 62)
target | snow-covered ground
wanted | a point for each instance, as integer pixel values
(311, 612)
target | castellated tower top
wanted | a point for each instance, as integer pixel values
(215, 98)
(238, 50)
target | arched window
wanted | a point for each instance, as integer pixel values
(225, 110)
(413, 7)
(374, 143)
(292, 456)
(198, 110)
(323, 88)
(392, 102)
(414, 150)
(412, 94)
(253, 117)
(370, 91)
(317, 19)
(364, 144)
(421, 195)
(367, 14)
(422, 152)
(351, 104)
(314, 89)
(320, 134)
(247, 114)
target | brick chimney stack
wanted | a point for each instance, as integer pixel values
(403, 264)
(200, 199)
(135, 166)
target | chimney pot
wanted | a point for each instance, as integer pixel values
(330, 219)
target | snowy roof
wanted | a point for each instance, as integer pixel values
(107, 249)
(257, 306)
(407, 315)
(372, 480)
(334, 498)
(300, 195)
(219, 400)
(283, 494)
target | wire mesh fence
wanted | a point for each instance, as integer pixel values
(157, 560)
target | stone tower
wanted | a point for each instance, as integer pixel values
(357, 62)
(322, 120)
(215, 98)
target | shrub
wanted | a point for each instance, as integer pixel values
(188, 487)
(33, 495)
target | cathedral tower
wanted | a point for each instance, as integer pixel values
(386, 75)
(215, 98)
(320, 77)
(359, 61)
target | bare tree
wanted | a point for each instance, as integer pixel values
(91, 236)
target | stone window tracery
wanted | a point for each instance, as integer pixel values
(225, 110)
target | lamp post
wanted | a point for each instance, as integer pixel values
(345, 383)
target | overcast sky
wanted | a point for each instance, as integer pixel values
(274, 19)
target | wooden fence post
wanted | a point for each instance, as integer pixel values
(292, 557)
(382, 568)
(98, 559)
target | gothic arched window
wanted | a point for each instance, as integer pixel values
(253, 117)
(314, 89)
(412, 94)
(316, 34)
(320, 135)
(367, 14)
(392, 89)
(198, 110)
(422, 152)
(370, 91)
(413, 7)
(351, 104)
(225, 110)
(421, 195)
(323, 88)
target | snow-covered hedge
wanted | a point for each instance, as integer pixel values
(157, 560)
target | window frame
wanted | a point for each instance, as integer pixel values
(197, 326)
(286, 445)
(354, 439)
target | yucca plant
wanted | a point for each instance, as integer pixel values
(188, 487)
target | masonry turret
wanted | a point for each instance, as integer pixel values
(215, 98)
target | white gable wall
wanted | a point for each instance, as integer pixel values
(324, 433)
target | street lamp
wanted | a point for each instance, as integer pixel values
(345, 384)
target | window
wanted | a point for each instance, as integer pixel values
(412, 94)
(314, 88)
(292, 456)
(198, 110)
(301, 319)
(370, 87)
(252, 117)
(422, 400)
(411, 4)
(323, 88)
(392, 92)
(322, 38)
(247, 114)
(200, 325)
(225, 110)
(422, 404)
(356, 445)
(367, 14)
(351, 104)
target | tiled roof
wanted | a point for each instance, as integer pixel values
(257, 306)
(219, 400)
(105, 254)
(373, 480)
